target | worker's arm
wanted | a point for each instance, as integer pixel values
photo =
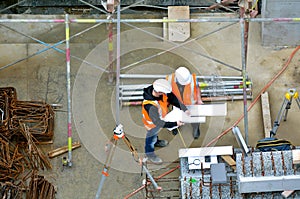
(173, 100)
(153, 114)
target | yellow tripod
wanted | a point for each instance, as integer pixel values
(286, 105)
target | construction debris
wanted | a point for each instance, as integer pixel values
(8, 190)
(38, 117)
(40, 188)
(8, 96)
(36, 157)
(11, 161)
(24, 125)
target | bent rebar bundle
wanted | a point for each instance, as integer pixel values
(23, 125)
(38, 116)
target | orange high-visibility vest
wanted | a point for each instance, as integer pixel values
(162, 106)
(189, 93)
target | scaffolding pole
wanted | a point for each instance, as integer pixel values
(110, 52)
(118, 64)
(11, 6)
(53, 46)
(103, 11)
(209, 19)
(149, 76)
(69, 90)
(244, 56)
(176, 45)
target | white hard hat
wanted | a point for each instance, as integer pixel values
(162, 85)
(183, 76)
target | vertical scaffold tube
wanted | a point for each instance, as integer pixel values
(243, 52)
(69, 90)
(110, 51)
(118, 64)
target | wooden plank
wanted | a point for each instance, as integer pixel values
(266, 114)
(286, 194)
(296, 156)
(61, 150)
(179, 31)
(230, 161)
(208, 109)
(165, 30)
(206, 151)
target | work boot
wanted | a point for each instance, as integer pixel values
(155, 159)
(161, 143)
(196, 131)
(175, 131)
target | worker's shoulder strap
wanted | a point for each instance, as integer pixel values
(152, 102)
(194, 79)
(195, 86)
(170, 77)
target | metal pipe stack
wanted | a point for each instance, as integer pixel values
(213, 88)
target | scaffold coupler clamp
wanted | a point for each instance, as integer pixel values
(118, 132)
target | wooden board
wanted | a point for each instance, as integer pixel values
(62, 150)
(208, 109)
(266, 114)
(286, 194)
(230, 161)
(206, 151)
(179, 31)
(296, 156)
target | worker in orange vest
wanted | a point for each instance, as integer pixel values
(185, 87)
(157, 97)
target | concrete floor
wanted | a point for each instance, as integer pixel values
(43, 77)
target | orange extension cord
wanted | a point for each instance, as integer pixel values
(257, 98)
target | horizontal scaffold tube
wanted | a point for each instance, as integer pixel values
(203, 92)
(202, 19)
(204, 99)
(210, 77)
(228, 91)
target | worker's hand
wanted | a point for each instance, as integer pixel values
(188, 112)
(180, 123)
(199, 102)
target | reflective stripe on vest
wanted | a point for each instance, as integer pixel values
(189, 93)
(161, 105)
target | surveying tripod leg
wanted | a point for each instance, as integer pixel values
(110, 149)
(288, 106)
(150, 177)
(298, 102)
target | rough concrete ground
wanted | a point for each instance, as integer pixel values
(43, 77)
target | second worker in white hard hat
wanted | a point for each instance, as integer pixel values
(185, 87)
(157, 97)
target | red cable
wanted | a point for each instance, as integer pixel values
(257, 98)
